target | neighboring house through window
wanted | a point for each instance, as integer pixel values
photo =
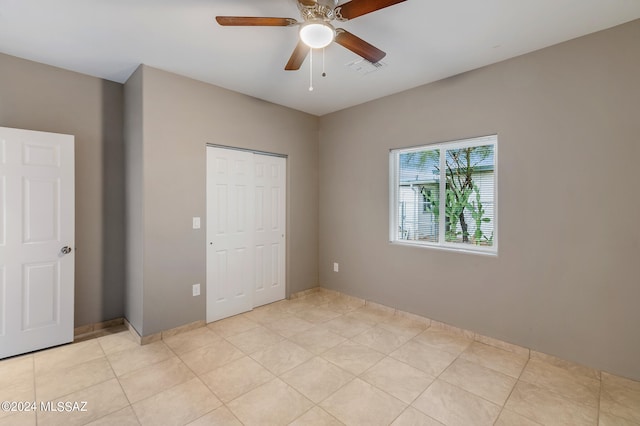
(458, 179)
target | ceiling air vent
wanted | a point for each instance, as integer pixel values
(364, 67)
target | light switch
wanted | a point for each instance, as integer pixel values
(196, 223)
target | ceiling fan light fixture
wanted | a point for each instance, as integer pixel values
(317, 34)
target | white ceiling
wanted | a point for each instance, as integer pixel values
(425, 40)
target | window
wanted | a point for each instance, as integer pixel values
(457, 178)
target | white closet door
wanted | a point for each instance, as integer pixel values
(270, 218)
(246, 234)
(230, 236)
(36, 240)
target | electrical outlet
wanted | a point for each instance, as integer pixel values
(336, 267)
(196, 290)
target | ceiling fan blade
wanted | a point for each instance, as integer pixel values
(356, 8)
(359, 46)
(297, 57)
(255, 21)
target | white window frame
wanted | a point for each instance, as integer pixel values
(394, 184)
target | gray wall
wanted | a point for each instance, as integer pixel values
(179, 117)
(39, 97)
(566, 280)
(134, 166)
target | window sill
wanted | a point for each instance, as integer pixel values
(481, 252)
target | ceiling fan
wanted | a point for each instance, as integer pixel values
(316, 30)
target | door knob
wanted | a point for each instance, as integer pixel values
(65, 250)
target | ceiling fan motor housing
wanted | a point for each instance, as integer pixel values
(321, 10)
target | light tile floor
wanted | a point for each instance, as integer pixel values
(324, 359)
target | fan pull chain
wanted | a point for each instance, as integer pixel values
(324, 74)
(311, 70)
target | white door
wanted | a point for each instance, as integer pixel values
(36, 239)
(270, 209)
(230, 236)
(246, 216)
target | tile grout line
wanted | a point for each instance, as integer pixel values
(306, 411)
(86, 387)
(438, 376)
(35, 395)
(164, 389)
(359, 376)
(458, 357)
(275, 376)
(512, 389)
(119, 384)
(407, 404)
(320, 355)
(198, 376)
(554, 392)
(599, 400)
(385, 355)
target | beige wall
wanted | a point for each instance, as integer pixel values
(566, 280)
(40, 97)
(179, 117)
